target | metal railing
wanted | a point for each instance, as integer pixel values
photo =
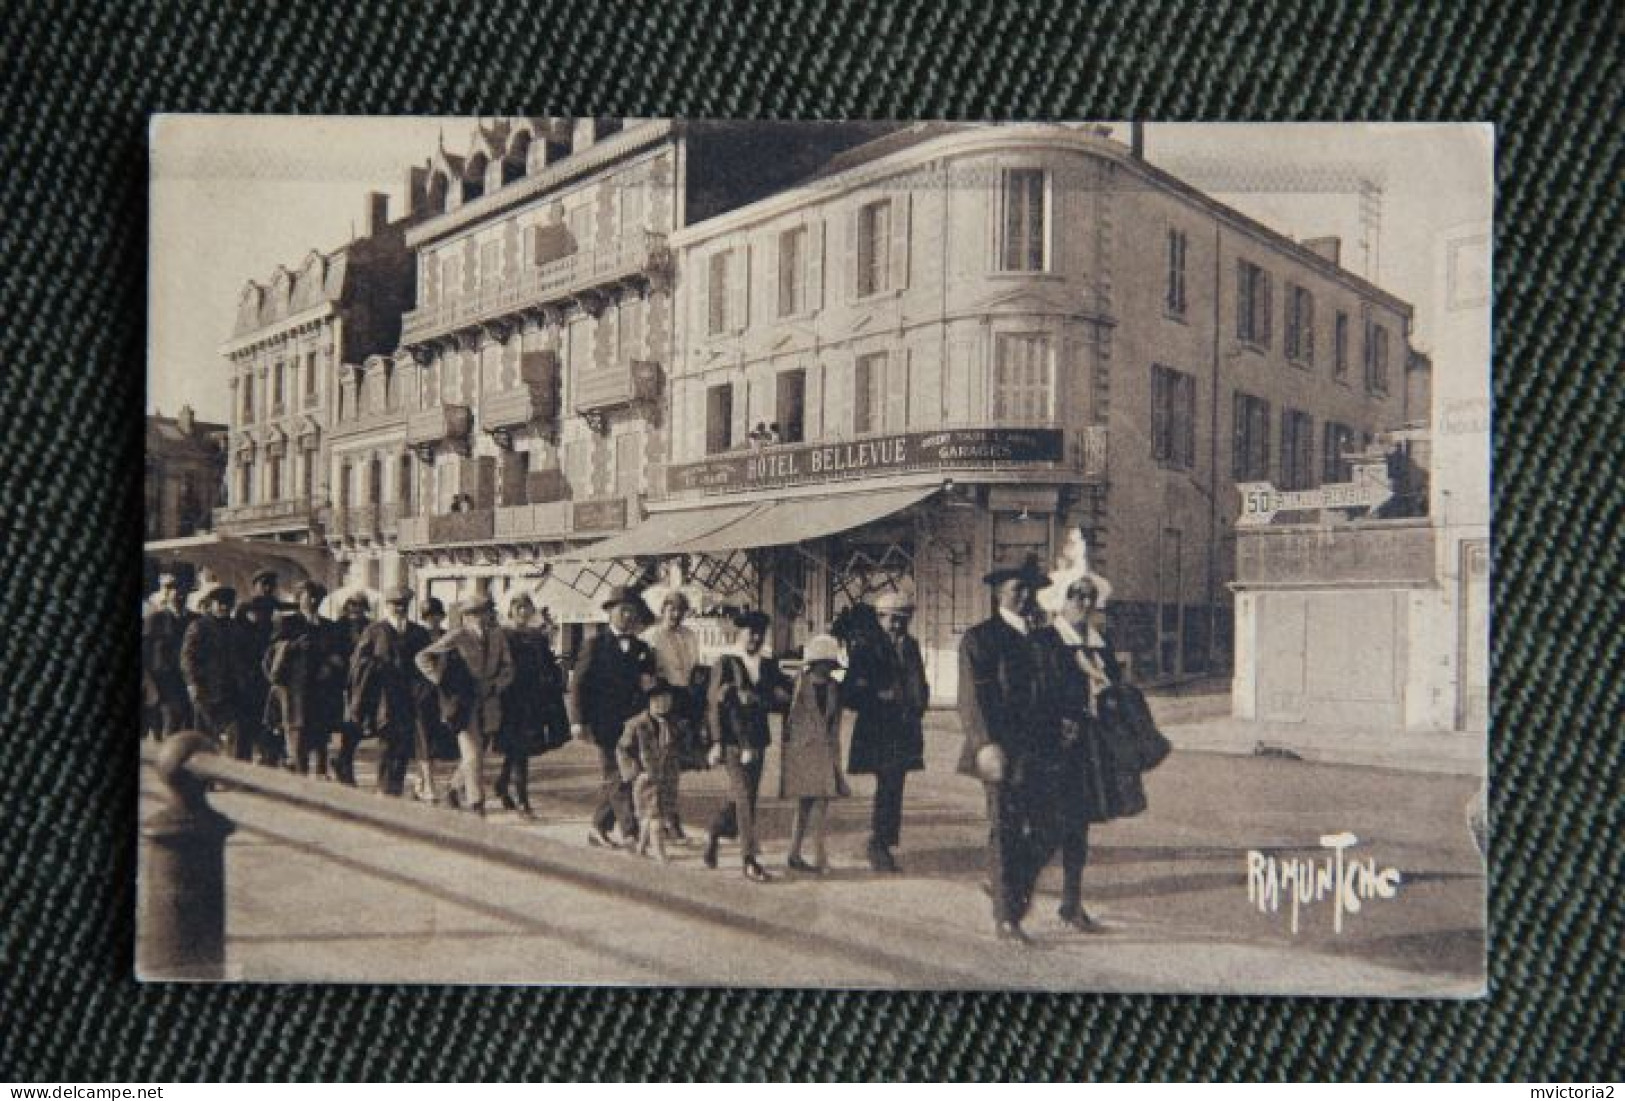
(557, 279)
(288, 509)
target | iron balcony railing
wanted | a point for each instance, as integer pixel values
(559, 279)
(295, 508)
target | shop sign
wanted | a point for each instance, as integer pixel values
(1260, 501)
(955, 449)
(606, 515)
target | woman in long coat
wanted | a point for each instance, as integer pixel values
(533, 715)
(1074, 771)
(810, 757)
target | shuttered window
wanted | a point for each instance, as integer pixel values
(1297, 449)
(1336, 440)
(1174, 298)
(1253, 303)
(1023, 378)
(793, 271)
(1300, 325)
(1250, 461)
(1376, 358)
(873, 247)
(1173, 417)
(1340, 346)
(790, 404)
(719, 418)
(868, 392)
(1023, 225)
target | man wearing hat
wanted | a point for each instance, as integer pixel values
(745, 688)
(211, 662)
(613, 675)
(383, 697)
(431, 730)
(163, 688)
(256, 623)
(886, 687)
(317, 691)
(472, 697)
(1002, 712)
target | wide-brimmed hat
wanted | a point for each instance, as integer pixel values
(399, 594)
(894, 604)
(1029, 571)
(1070, 581)
(622, 594)
(822, 648)
(264, 575)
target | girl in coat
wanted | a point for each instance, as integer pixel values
(811, 756)
(533, 716)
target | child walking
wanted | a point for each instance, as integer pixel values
(811, 762)
(650, 758)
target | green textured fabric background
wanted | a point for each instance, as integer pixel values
(79, 82)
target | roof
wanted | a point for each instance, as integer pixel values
(320, 278)
(165, 438)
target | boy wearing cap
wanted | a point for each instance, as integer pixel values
(650, 758)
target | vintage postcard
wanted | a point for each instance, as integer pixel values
(879, 555)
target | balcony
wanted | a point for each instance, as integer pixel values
(601, 388)
(291, 514)
(518, 407)
(363, 523)
(474, 526)
(442, 423)
(547, 522)
(633, 257)
(393, 417)
(1076, 455)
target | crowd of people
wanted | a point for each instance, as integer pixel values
(1051, 730)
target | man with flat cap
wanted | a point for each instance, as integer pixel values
(211, 662)
(613, 675)
(1002, 711)
(471, 666)
(163, 688)
(383, 697)
(256, 623)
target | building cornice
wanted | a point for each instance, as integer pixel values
(823, 190)
(305, 318)
(615, 147)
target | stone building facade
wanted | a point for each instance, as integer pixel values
(185, 466)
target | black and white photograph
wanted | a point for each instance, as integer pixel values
(874, 555)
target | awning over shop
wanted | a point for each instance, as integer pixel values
(720, 528)
(234, 560)
(661, 533)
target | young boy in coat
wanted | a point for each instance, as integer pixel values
(650, 758)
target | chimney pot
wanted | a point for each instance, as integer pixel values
(376, 214)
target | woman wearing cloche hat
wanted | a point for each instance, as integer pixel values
(811, 758)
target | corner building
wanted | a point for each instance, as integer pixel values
(957, 341)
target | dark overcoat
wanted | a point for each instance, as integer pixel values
(533, 715)
(999, 695)
(319, 663)
(1082, 774)
(212, 663)
(736, 710)
(610, 685)
(886, 688)
(162, 632)
(385, 689)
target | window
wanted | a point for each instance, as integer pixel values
(1376, 358)
(793, 272)
(1297, 449)
(273, 469)
(717, 294)
(1340, 346)
(308, 473)
(874, 247)
(277, 380)
(719, 418)
(1174, 300)
(1252, 303)
(1023, 237)
(1173, 417)
(1300, 325)
(1251, 458)
(1338, 438)
(1022, 378)
(790, 405)
(868, 393)
(248, 397)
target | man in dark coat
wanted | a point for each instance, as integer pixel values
(212, 663)
(885, 685)
(746, 686)
(1002, 712)
(163, 688)
(319, 693)
(384, 697)
(256, 623)
(610, 684)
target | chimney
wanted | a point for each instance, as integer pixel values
(184, 420)
(376, 214)
(1327, 248)
(417, 191)
(1136, 140)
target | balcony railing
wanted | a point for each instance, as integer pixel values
(474, 526)
(392, 417)
(554, 281)
(364, 521)
(546, 522)
(1075, 454)
(290, 512)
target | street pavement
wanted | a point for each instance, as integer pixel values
(313, 896)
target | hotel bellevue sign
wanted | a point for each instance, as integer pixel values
(953, 449)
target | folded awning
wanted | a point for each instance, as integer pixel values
(716, 529)
(781, 523)
(235, 560)
(661, 534)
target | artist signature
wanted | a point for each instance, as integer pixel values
(1348, 881)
